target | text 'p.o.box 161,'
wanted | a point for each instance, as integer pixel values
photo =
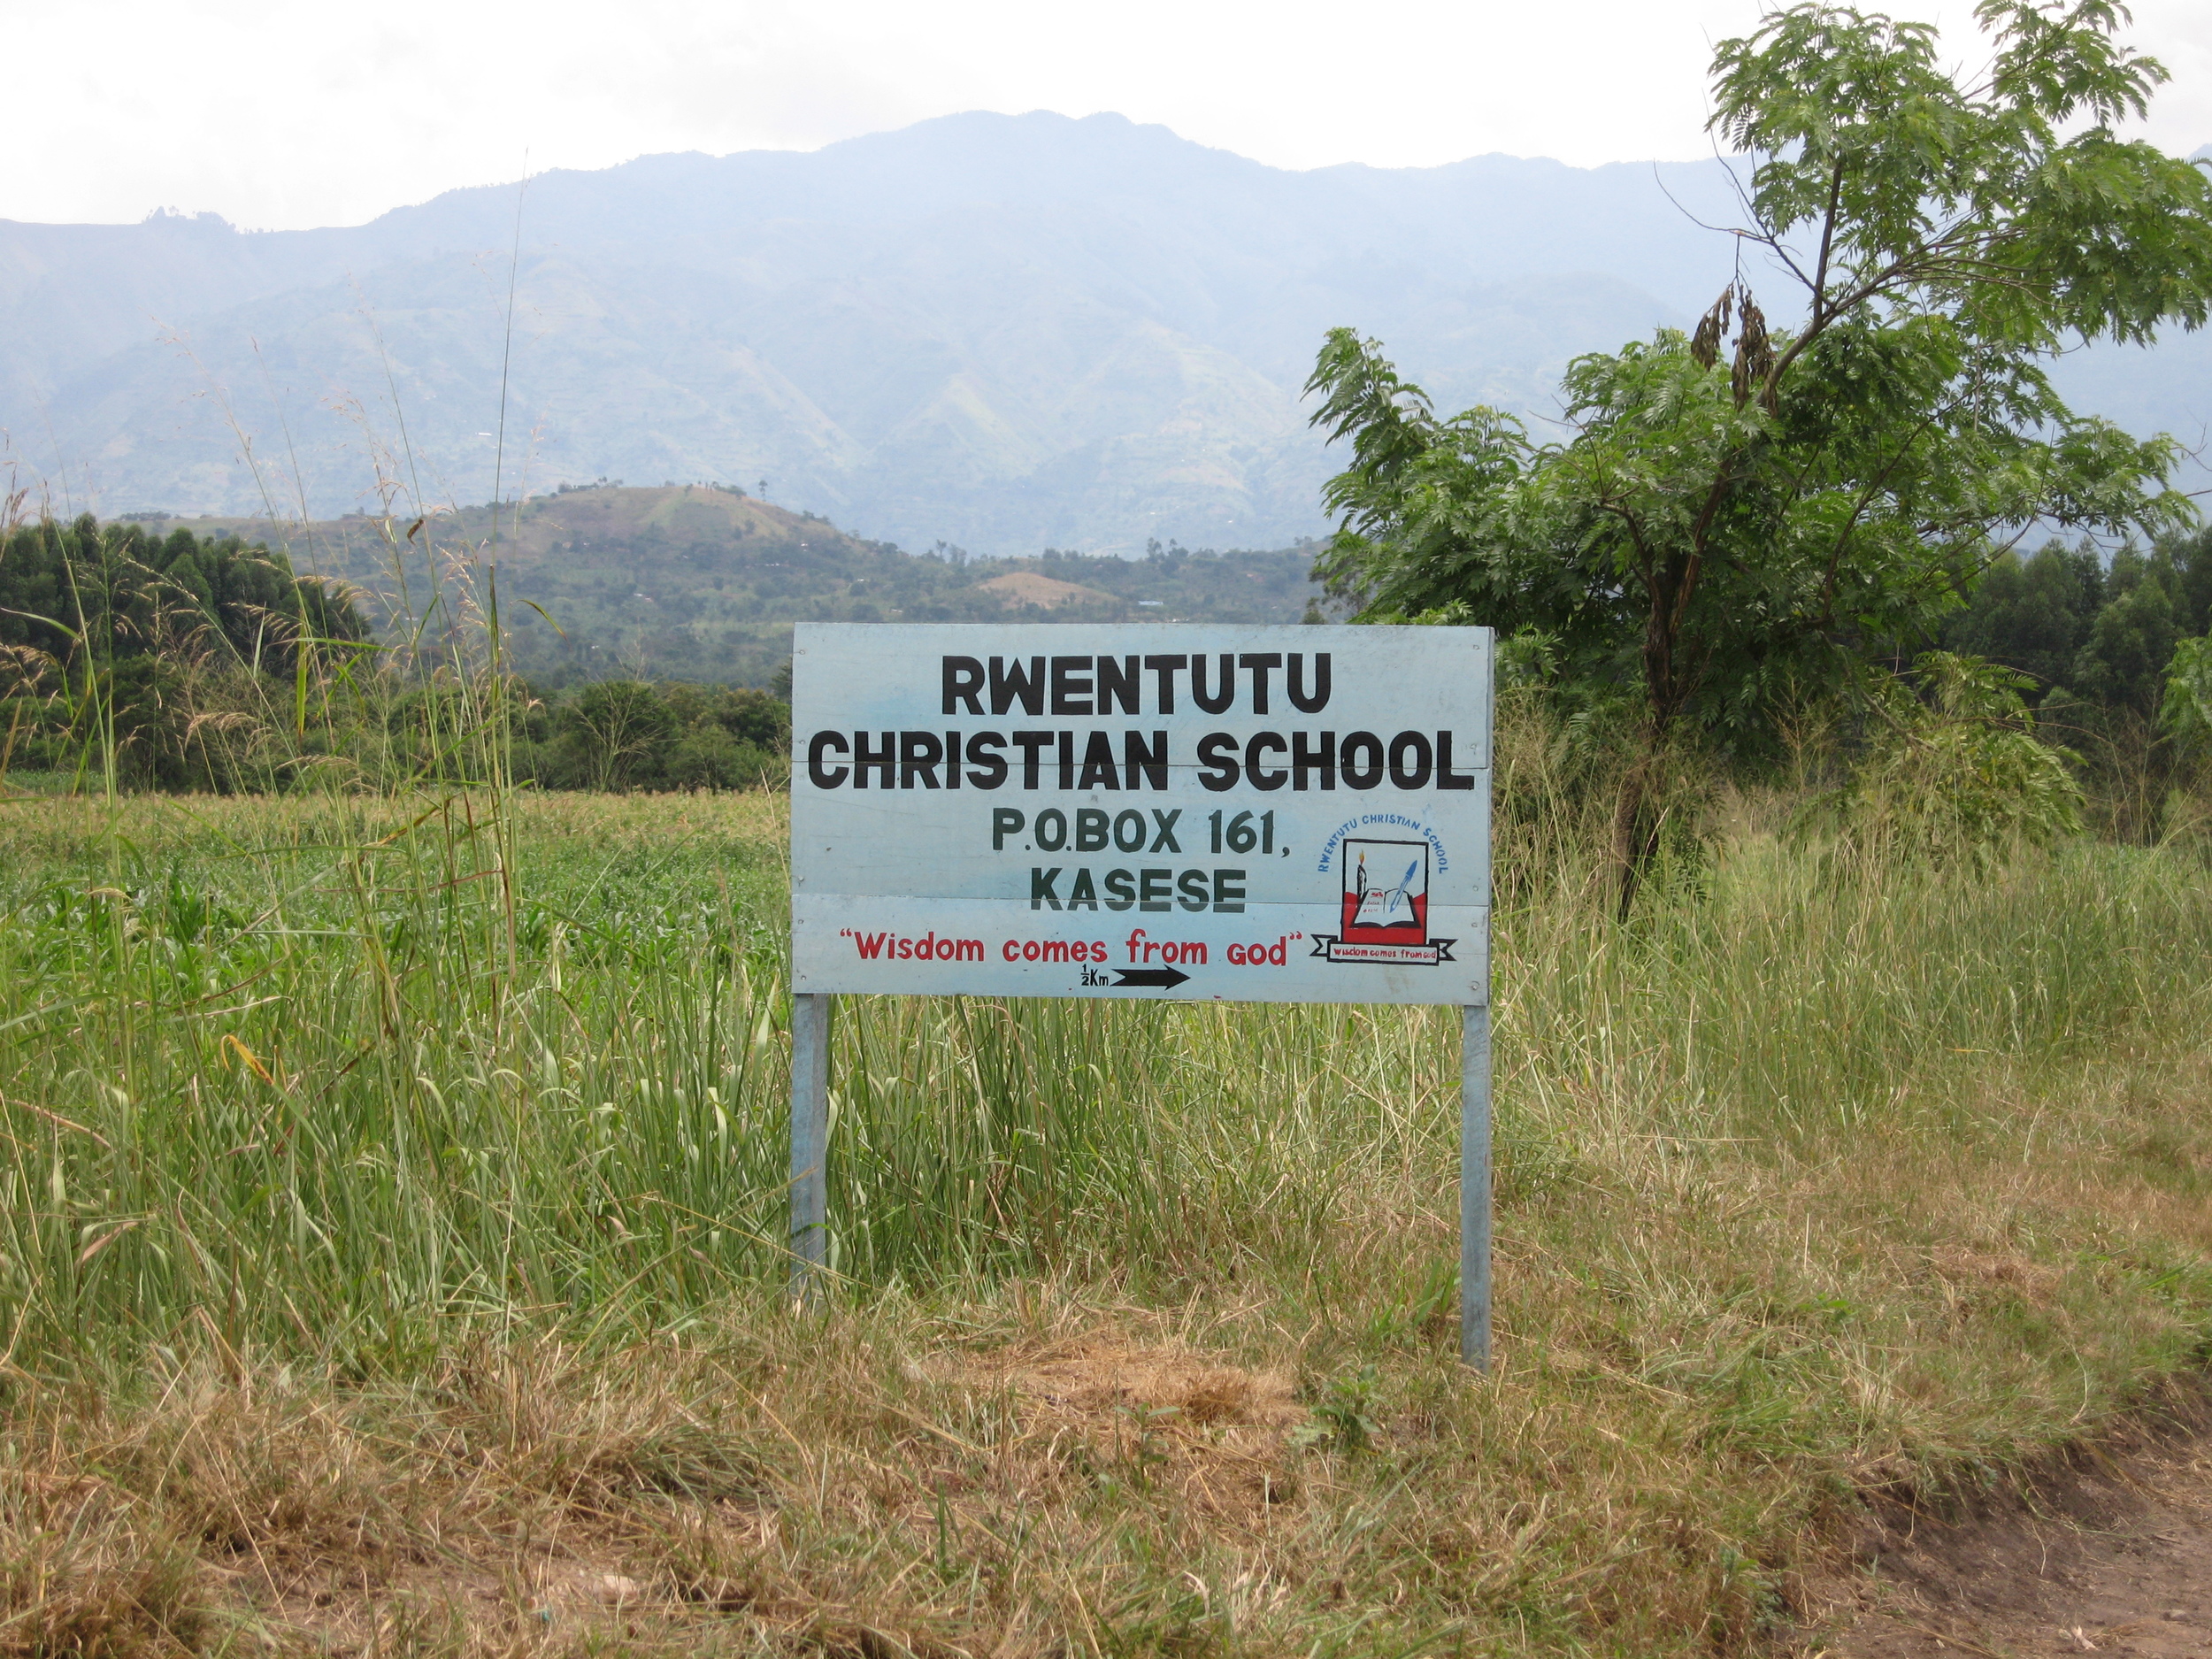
(1249, 814)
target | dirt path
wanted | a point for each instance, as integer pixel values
(2112, 1558)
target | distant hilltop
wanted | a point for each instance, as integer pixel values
(1006, 332)
(704, 583)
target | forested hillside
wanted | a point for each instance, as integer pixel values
(645, 636)
(704, 583)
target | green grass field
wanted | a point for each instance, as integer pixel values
(390, 1252)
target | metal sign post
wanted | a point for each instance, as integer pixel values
(1177, 813)
(809, 1140)
(1474, 1186)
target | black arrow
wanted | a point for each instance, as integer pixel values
(1167, 979)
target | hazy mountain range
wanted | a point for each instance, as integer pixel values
(1001, 332)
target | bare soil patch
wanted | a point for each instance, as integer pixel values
(2110, 1553)
(1096, 1379)
(1212, 1432)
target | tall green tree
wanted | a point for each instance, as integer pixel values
(617, 730)
(2121, 665)
(99, 625)
(1739, 509)
(2033, 615)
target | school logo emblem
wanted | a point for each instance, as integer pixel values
(1384, 913)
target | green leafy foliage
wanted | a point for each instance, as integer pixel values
(2086, 633)
(84, 592)
(121, 649)
(1741, 511)
(615, 726)
(2009, 206)
(2132, 638)
(2101, 644)
(1346, 1414)
(1957, 771)
(626, 735)
(2186, 710)
(184, 662)
(2033, 614)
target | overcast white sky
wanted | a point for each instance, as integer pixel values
(277, 114)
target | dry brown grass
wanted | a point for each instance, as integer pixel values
(1041, 1469)
(752, 1493)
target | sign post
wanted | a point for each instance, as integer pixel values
(1474, 1185)
(1177, 812)
(809, 1140)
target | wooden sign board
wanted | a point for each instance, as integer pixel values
(1252, 814)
